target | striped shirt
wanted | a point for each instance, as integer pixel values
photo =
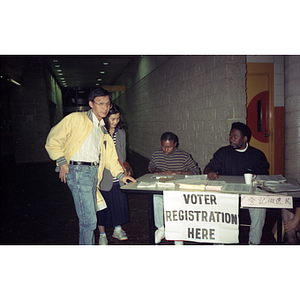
(178, 160)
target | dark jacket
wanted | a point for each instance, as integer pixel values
(228, 161)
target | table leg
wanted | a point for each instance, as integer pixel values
(279, 227)
(151, 220)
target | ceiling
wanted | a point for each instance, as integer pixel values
(80, 71)
(87, 70)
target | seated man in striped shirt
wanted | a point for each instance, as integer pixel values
(168, 160)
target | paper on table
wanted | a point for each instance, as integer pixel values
(192, 179)
(214, 185)
(144, 184)
(165, 184)
(237, 188)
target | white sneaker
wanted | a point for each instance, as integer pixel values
(159, 234)
(103, 239)
(120, 234)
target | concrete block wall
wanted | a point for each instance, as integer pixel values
(196, 97)
(30, 111)
(54, 97)
(292, 117)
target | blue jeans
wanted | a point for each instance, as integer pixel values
(82, 181)
(257, 216)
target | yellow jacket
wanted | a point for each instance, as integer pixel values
(66, 138)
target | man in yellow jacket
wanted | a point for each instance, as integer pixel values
(82, 149)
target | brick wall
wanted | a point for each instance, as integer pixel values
(196, 97)
(292, 117)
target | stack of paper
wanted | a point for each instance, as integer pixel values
(275, 184)
(277, 178)
(280, 187)
(165, 184)
(192, 182)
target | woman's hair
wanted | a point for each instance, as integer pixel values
(114, 110)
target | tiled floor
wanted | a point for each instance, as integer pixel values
(37, 209)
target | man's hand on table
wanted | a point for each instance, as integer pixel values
(212, 175)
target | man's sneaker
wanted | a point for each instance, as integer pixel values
(120, 234)
(103, 239)
(159, 234)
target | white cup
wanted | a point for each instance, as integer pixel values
(248, 178)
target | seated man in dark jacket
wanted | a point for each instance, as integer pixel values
(237, 159)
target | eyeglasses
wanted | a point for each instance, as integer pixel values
(102, 104)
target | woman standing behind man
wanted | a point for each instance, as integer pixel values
(117, 212)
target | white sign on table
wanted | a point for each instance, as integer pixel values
(201, 217)
(267, 200)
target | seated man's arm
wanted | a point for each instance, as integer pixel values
(215, 164)
(155, 170)
(152, 166)
(211, 174)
